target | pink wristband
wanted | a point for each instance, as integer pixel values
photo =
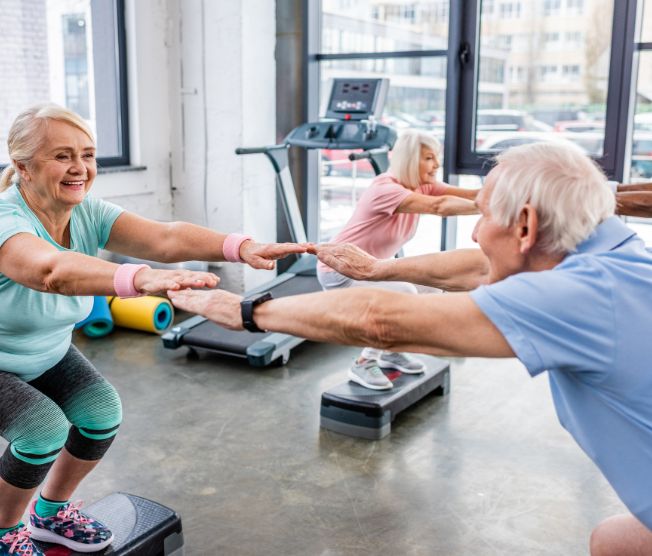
(231, 247)
(123, 280)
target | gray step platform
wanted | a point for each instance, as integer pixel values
(140, 528)
(357, 411)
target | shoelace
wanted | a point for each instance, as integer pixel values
(20, 542)
(372, 368)
(71, 512)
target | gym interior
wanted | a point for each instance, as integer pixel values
(271, 118)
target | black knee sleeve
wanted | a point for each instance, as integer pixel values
(86, 448)
(22, 474)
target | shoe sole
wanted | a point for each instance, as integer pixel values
(384, 365)
(44, 535)
(355, 378)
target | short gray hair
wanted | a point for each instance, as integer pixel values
(406, 155)
(566, 188)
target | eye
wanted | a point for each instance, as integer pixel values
(89, 155)
(63, 156)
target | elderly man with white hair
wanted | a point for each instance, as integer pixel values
(558, 281)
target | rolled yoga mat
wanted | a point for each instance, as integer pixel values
(147, 313)
(99, 322)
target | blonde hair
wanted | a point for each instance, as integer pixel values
(567, 189)
(28, 132)
(406, 155)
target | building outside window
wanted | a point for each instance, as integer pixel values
(51, 49)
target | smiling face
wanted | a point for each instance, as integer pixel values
(428, 165)
(63, 168)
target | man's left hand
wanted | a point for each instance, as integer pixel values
(219, 306)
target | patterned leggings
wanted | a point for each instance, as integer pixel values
(35, 418)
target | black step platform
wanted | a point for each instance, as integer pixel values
(357, 411)
(140, 528)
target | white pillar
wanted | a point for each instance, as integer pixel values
(224, 84)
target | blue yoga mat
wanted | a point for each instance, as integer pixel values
(100, 322)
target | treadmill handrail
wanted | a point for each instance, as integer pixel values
(261, 150)
(367, 154)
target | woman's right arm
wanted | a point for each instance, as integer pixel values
(36, 264)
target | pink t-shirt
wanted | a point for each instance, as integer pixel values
(374, 226)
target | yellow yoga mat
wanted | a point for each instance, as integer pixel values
(147, 313)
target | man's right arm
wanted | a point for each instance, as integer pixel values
(458, 270)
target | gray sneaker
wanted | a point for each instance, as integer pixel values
(368, 374)
(400, 362)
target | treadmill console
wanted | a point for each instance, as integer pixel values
(339, 135)
(357, 99)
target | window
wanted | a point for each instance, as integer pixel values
(416, 97)
(576, 6)
(58, 50)
(574, 37)
(541, 89)
(510, 10)
(551, 7)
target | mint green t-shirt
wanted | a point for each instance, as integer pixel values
(35, 327)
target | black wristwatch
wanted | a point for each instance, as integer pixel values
(247, 310)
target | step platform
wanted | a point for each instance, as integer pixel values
(140, 528)
(357, 411)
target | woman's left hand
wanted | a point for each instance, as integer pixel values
(263, 255)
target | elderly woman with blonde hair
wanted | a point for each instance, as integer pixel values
(57, 412)
(385, 218)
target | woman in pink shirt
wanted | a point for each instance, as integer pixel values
(386, 218)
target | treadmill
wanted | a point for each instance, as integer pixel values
(351, 123)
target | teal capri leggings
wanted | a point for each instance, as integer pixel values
(36, 418)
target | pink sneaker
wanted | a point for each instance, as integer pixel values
(71, 528)
(17, 542)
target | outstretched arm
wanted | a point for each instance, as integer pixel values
(634, 203)
(458, 270)
(172, 242)
(37, 264)
(440, 205)
(435, 324)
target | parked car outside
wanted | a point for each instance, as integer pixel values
(508, 120)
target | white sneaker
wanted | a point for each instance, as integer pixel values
(400, 362)
(369, 375)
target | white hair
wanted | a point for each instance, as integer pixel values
(406, 155)
(566, 188)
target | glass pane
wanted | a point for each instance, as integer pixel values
(416, 99)
(646, 26)
(464, 224)
(58, 50)
(372, 26)
(641, 169)
(544, 68)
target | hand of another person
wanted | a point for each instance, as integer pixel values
(347, 259)
(263, 255)
(151, 281)
(219, 306)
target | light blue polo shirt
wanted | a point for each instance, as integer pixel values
(35, 327)
(587, 322)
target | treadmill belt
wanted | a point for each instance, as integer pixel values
(209, 335)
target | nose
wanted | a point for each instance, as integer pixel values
(76, 165)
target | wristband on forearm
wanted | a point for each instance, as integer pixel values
(231, 247)
(123, 280)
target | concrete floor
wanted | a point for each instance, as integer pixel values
(239, 454)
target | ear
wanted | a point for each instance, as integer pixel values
(21, 168)
(527, 228)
